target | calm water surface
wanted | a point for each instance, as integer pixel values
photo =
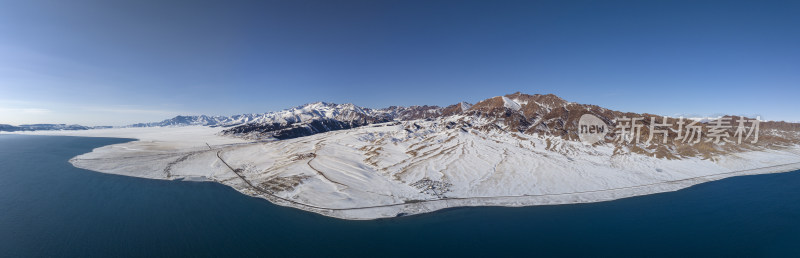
(50, 208)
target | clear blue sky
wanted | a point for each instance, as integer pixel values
(119, 62)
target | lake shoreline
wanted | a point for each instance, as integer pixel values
(156, 158)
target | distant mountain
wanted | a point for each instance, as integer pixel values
(198, 120)
(43, 127)
(294, 122)
(9, 128)
(322, 117)
(517, 113)
(535, 114)
(308, 119)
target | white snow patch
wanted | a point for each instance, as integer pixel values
(511, 104)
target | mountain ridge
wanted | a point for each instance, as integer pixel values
(537, 114)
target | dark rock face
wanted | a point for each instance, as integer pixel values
(317, 126)
(288, 131)
(413, 112)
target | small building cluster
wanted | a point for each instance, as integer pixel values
(432, 187)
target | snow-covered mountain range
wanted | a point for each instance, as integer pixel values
(526, 114)
(513, 113)
(350, 162)
(309, 119)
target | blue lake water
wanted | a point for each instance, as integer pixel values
(50, 208)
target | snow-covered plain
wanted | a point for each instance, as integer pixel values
(403, 168)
